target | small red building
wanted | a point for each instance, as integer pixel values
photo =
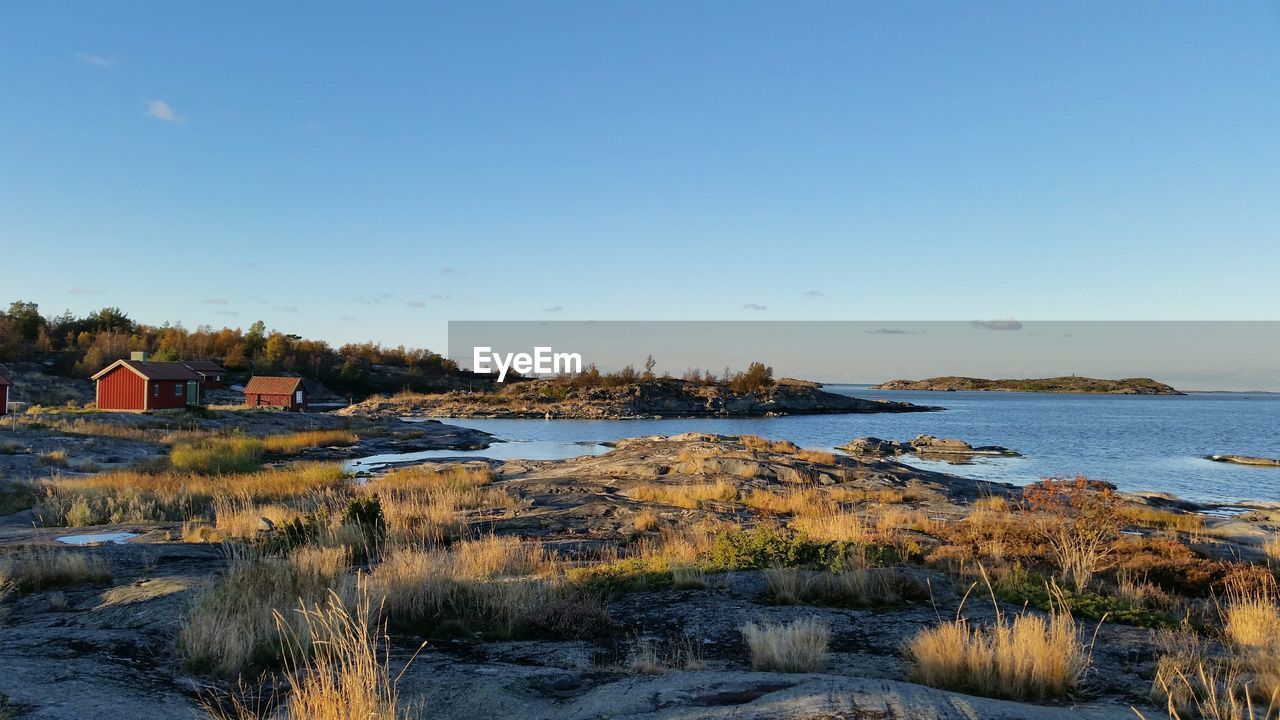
(145, 385)
(4, 394)
(210, 371)
(288, 393)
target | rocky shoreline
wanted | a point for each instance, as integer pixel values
(1065, 384)
(922, 445)
(647, 399)
(72, 651)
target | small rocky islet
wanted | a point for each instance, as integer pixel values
(1064, 384)
(656, 398)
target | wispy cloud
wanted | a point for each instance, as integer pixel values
(215, 301)
(1010, 324)
(755, 306)
(553, 309)
(98, 60)
(381, 298)
(162, 110)
(450, 271)
(348, 318)
(417, 304)
(814, 293)
(889, 331)
(246, 264)
(438, 296)
(287, 308)
(226, 312)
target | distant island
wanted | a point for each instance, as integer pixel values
(635, 398)
(1067, 384)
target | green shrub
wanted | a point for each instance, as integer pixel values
(1026, 588)
(764, 547)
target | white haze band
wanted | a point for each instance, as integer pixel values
(542, 362)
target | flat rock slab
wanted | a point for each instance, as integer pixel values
(529, 694)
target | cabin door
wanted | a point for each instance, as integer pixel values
(193, 392)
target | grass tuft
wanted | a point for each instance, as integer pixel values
(797, 647)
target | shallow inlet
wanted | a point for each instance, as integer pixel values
(515, 450)
(116, 538)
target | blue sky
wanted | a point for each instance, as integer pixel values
(370, 171)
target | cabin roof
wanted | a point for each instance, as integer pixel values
(152, 370)
(205, 367)
(268, 385)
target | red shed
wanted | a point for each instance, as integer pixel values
(211, 371)
(4, 394)
(282, 392)
(145, 385)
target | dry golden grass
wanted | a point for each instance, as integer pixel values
(497, 556)
(1251, 627)
(876, 496)
(52, 458)
(759, 444)
(36, 569)
(1028, 657)
(688, 578)
(820, 457)
(218, 455)
(645, 520)
(1191, 683)
(1162, 519)
(231, 627)
(683, 546)
(995, 503)
(1251, 617)
(156, 432)
(129, 496)
(647, 656)
(292, 443)
(893, 519)
(834, 525)
(797, 647)
(422, 504)
(1272, 550)
(237, 516)
(690, 495)
(792, 501)
(338, 668)
(420, 590)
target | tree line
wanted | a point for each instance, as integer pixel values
(80, 346)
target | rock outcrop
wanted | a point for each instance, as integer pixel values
(923, 445)
(647, 399)
(1066, 384)
(1246, 460)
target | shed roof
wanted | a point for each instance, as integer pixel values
(4, 380)
(267, 385)
(205, 367)
(153, 370)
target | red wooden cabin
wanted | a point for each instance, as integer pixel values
(283, 392)
(144, 385)
(4, 394)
